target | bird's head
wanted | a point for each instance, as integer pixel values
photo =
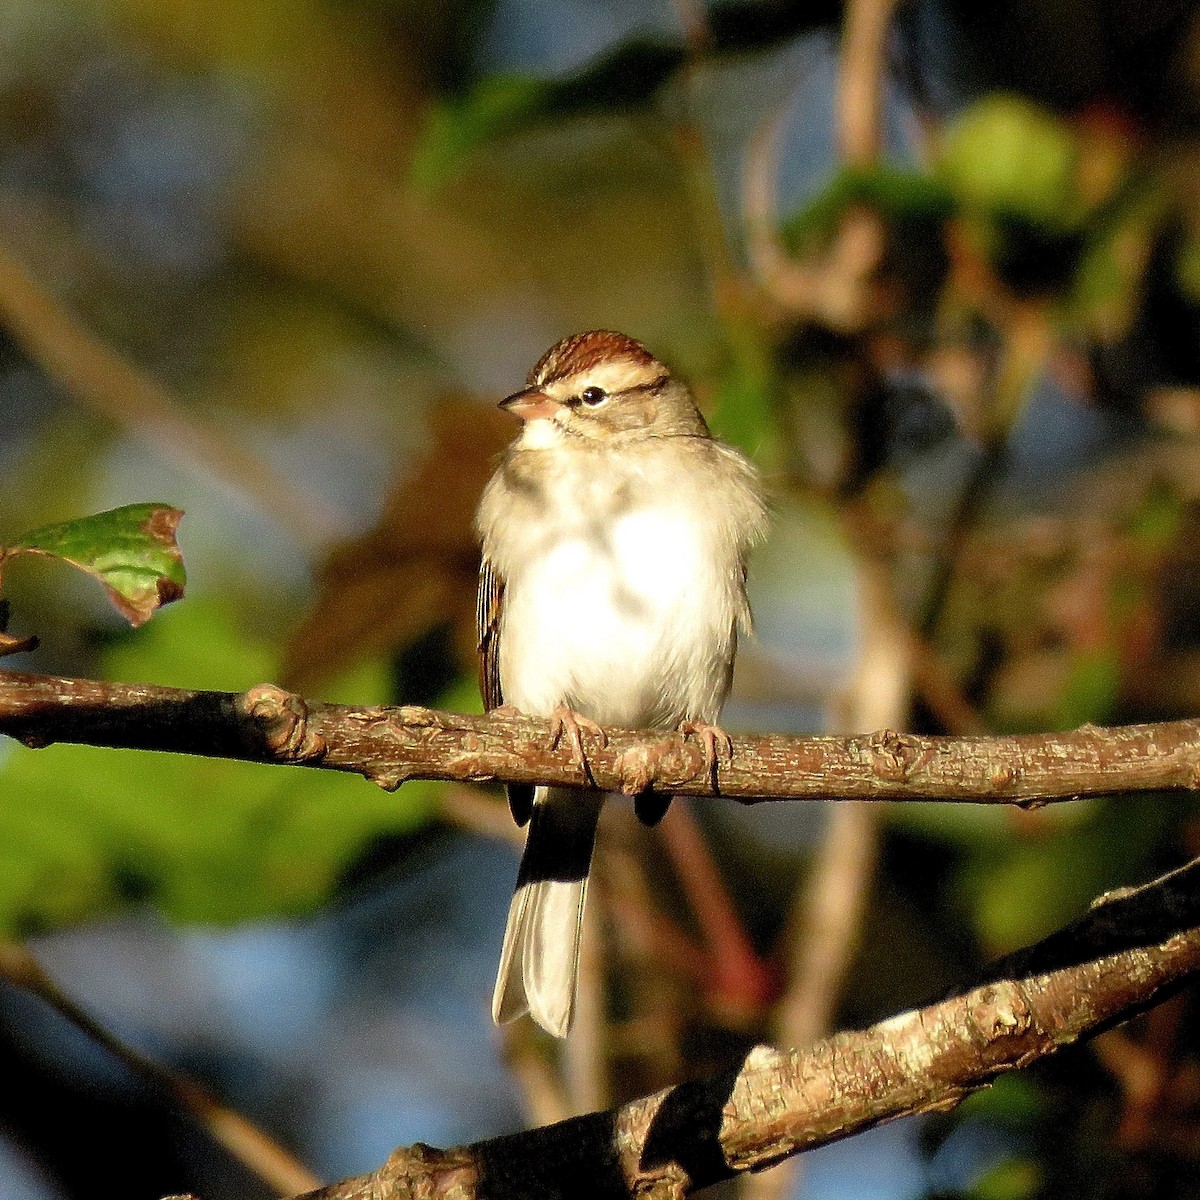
(602, 386)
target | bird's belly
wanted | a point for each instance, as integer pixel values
(627, 622)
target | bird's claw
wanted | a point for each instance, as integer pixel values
(711, 736)
(565, 721)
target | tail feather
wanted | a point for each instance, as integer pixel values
(540, 958)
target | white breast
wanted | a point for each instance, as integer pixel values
(625, 617)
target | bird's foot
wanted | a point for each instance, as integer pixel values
(711, 737)
(566, 722)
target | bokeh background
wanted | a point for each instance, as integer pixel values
(935, 264)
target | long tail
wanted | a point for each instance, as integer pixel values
(540, 957)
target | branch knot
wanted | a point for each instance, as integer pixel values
(282, 718)
(894, 756)
(647, 764)
(1000, 1010)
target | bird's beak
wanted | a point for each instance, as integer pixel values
(530, 404)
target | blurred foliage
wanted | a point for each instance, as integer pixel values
(1012, 1179)
(202, 840)
(1005, 156)
(336, 231)
(503, 105)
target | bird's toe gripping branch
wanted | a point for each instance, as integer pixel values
(711, 737)
(566, 722)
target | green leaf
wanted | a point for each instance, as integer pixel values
(1092, 688)
(1187, 266)
(900, 197)
(1013, 1101)
(131, 550)
(745, 411)
(1106, 291)
(1011, 1179)
(1021, 892)
(1157, 522)
(1005, 155)
(87, 830)
(624, 77)
(496, 107)
(502, 105)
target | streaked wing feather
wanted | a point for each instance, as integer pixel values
(489, 601)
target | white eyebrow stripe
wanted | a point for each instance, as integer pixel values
(617, 376)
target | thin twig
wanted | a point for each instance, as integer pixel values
(833, 287)
(585, 1051)
(826, 924)
(542, 1091)
(822, 936)
(737, 980)
(546, 1097)
(829, 915)
(862, 80)
(96, 376)
(651, 934)
(473, 809)
(250, 1145)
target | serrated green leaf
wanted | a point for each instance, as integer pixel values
(131, 550)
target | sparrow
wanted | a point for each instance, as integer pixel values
(612, 591)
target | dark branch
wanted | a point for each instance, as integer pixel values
(390, 745)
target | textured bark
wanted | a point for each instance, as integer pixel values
(390, 745)
(1122, 956)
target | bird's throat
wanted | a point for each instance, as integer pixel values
(541, 434)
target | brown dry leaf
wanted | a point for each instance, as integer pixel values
(417, 567)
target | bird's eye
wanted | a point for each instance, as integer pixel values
(593, 396)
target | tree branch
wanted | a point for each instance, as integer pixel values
(1122, 956)
(391, 745)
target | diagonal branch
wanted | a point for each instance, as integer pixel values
(250, 1145)
(1129, 950)
(99, 378)
(391, 745)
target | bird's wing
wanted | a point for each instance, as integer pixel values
(488, 606)
(489, 603)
